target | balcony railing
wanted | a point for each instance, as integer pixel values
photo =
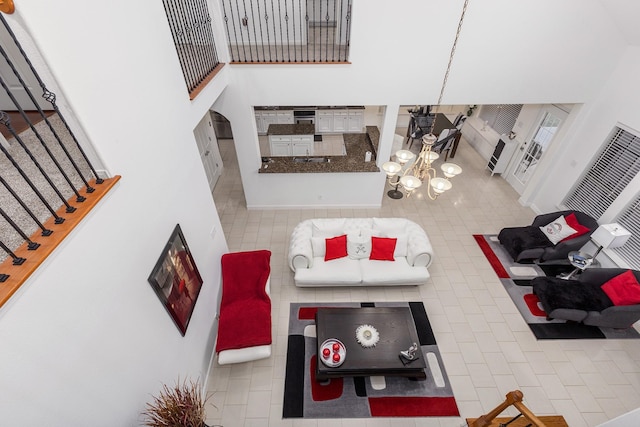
(47, 183)
(288, 31)
(190, 25)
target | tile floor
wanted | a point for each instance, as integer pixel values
(487, 348)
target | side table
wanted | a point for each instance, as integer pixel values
(581, 261)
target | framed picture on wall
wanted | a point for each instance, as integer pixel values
(176, 279)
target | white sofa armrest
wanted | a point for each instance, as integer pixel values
(300, 249)
(419, 249)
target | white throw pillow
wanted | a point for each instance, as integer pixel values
(358, 247)
(557, 230)
(401, 244)
(319, 246)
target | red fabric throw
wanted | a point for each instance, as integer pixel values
(245, 309)
(382, 248)
(623, 289)
(572, 222)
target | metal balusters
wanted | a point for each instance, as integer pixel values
(45, 231)
(42, 166)
(177, 34)
(225, 18)
(240, 24)
(347, 20)
(266, 26)
(79, 198)
(326, 29)
(280, 26)
(245, 24)
(31, 245)
(50, 97)
(4, 119)
(335, 21)
(287, 31)
(302, 33)
(253, 25)
(26, 89)
(16, 259)
(341, 26)
(306, 18)
(190, 25)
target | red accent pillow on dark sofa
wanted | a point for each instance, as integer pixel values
(623, 289)
(572, 222)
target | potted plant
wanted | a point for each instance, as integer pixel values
(179, 406)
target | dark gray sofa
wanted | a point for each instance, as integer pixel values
(583, 300)
(529, 244)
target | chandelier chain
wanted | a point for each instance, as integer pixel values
(453, 51)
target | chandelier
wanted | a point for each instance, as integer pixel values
(412, 175)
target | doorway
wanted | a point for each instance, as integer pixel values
(208, 149)
(532, 151)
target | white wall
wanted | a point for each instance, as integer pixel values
(615, 104)
(508, 52)
(86, 341)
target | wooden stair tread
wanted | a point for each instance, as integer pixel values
(548, 420)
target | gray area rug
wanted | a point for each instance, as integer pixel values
(362, 397)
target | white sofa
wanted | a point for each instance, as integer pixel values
(413, 253)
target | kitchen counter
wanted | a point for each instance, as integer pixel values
(301, 129)
(356, 145)
(315, 107)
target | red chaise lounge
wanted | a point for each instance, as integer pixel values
(244, 329)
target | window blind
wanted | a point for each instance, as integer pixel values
(630, 219)
(501, 117)
(613, 169)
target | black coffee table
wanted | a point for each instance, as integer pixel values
(397, 332)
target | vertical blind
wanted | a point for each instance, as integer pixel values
(613, 169)
(630, 219)
(501, 117)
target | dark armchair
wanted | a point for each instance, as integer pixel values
(529, 244)
(583, 300)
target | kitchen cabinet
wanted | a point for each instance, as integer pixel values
(355, 120)
(339, 121)
(302, 145)
(284, 117)
(483, 140)
(324, 121)
(264, 118)
(259, 123)
(291, 145)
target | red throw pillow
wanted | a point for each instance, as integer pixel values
(572, 222)
(382, 248)
(623, 289)
(336, 247)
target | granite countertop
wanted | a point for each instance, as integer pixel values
(315, 107)
(301, 129)
(356, 145)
